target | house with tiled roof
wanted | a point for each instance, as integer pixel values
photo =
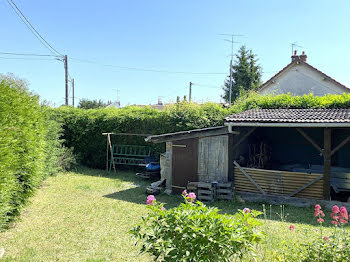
(300, 78)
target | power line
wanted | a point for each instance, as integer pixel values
(209, 86)
(32, 29)
(24, 54)
(146, 69)
(26, 58)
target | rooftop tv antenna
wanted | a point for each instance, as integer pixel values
(232, 42)
(295, 44)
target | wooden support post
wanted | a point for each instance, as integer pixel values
(242, 138)
(107, 154)
(111, 149)
(309, 139)
(327, 163)
(343, 143)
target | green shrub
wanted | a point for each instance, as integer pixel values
(195, 232)
(83, 128)
(29, 146)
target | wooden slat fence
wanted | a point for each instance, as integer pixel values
(276, 182)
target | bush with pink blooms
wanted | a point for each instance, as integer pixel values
(334, 247)
(194, 232)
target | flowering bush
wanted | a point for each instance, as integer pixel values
(195, 232)
(325, 248)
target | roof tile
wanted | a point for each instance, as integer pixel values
(329, 115)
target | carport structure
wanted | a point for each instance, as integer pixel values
(316, 137)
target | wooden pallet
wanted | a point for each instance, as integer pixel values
(206, 191)
(224, 191)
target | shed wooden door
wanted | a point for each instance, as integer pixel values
(185, 162)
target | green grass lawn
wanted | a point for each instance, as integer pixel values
(85, 216)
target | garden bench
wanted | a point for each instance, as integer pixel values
(130, 155)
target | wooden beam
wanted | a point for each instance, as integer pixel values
(249, 177)
(111, 149)
(107, 153)
(327, 137)
(310, 140)
(343, 143)
(242, 138)
(125, 134)
(197, 133)
(305, 186)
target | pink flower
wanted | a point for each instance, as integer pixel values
(150, 200)
(191, 197)
(246, 210)
(334, 216)
(321, 213)
(184, 193)
(343, 221)
(320, 220)
(317, 207)
(344, 213)
(162, 208)
(325, 238)
(317, 213)
(291, 227)
(335, 209)
(334, 222)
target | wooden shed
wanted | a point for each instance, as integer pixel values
(199, 155)
(288, 152)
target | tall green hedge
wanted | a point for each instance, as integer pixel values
(83, 128)
(29, 146)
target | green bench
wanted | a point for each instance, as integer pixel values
(129, 155)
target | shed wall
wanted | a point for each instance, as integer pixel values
(213, 158)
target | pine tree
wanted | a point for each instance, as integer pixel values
(246, 75)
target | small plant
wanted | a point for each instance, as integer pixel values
(195, 232)
(282, 215)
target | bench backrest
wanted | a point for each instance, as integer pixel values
(131, 150)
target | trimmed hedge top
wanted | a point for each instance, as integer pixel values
(83, 128)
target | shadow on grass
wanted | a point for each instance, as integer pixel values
(138, 195)
(123, 174)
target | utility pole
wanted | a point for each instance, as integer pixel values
(65, 60)
(231, 41)
(73, 91)
(230, 92)
(190, 93)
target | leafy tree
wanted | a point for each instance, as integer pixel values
(91, 104)
(246, 74)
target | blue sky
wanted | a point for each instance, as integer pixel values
(170, 36)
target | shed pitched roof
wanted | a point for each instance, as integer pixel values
(203, 132)
(294, 116)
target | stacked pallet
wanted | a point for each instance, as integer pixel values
(224, 191)
(209, 191)
(206, 191)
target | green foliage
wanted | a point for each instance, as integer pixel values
(91, 104)
(195, 232)
(288, 101)
(246, 75)
(335, 248)
(83, 128)
(29, 146)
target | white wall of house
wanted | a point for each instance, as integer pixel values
(300, 79)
